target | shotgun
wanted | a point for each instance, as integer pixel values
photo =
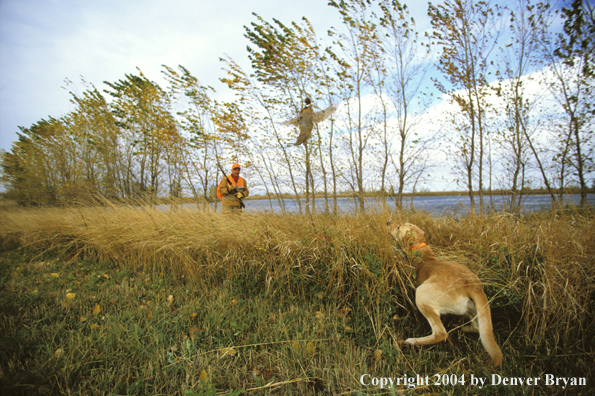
(242, 205)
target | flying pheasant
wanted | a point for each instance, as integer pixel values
(305, 121)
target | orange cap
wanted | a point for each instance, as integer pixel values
(236, 166)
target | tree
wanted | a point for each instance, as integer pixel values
(196, 154)
(572, 86)
(358, 46)
(261, 116)
(141, 108)
(94, 128)
(284, 60)
(519, 58)
(407, 66)
(467, 32)
(37, 169)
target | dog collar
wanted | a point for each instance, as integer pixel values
(419, 245)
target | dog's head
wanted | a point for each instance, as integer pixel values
(406, 234)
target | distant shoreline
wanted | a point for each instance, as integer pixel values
(201, 200)
(388, 195)
(426, 194)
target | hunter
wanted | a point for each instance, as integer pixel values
(233, 189)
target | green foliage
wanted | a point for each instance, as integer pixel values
(577, 41)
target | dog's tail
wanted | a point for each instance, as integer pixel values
(486, 331)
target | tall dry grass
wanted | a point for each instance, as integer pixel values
(538, 269)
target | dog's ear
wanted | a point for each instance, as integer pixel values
(417, 235)
(421, 234)
(408, 235)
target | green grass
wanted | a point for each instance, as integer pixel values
(146, 345)
(290, 305)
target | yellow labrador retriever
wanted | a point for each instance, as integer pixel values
(446, 288)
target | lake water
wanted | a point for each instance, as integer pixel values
(446, 204)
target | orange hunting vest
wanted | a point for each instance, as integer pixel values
(241, 182)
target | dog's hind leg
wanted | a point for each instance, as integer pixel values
(432, 314)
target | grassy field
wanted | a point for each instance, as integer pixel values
(120, 300)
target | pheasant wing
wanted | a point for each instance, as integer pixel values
(294, 121)
(322, 115)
